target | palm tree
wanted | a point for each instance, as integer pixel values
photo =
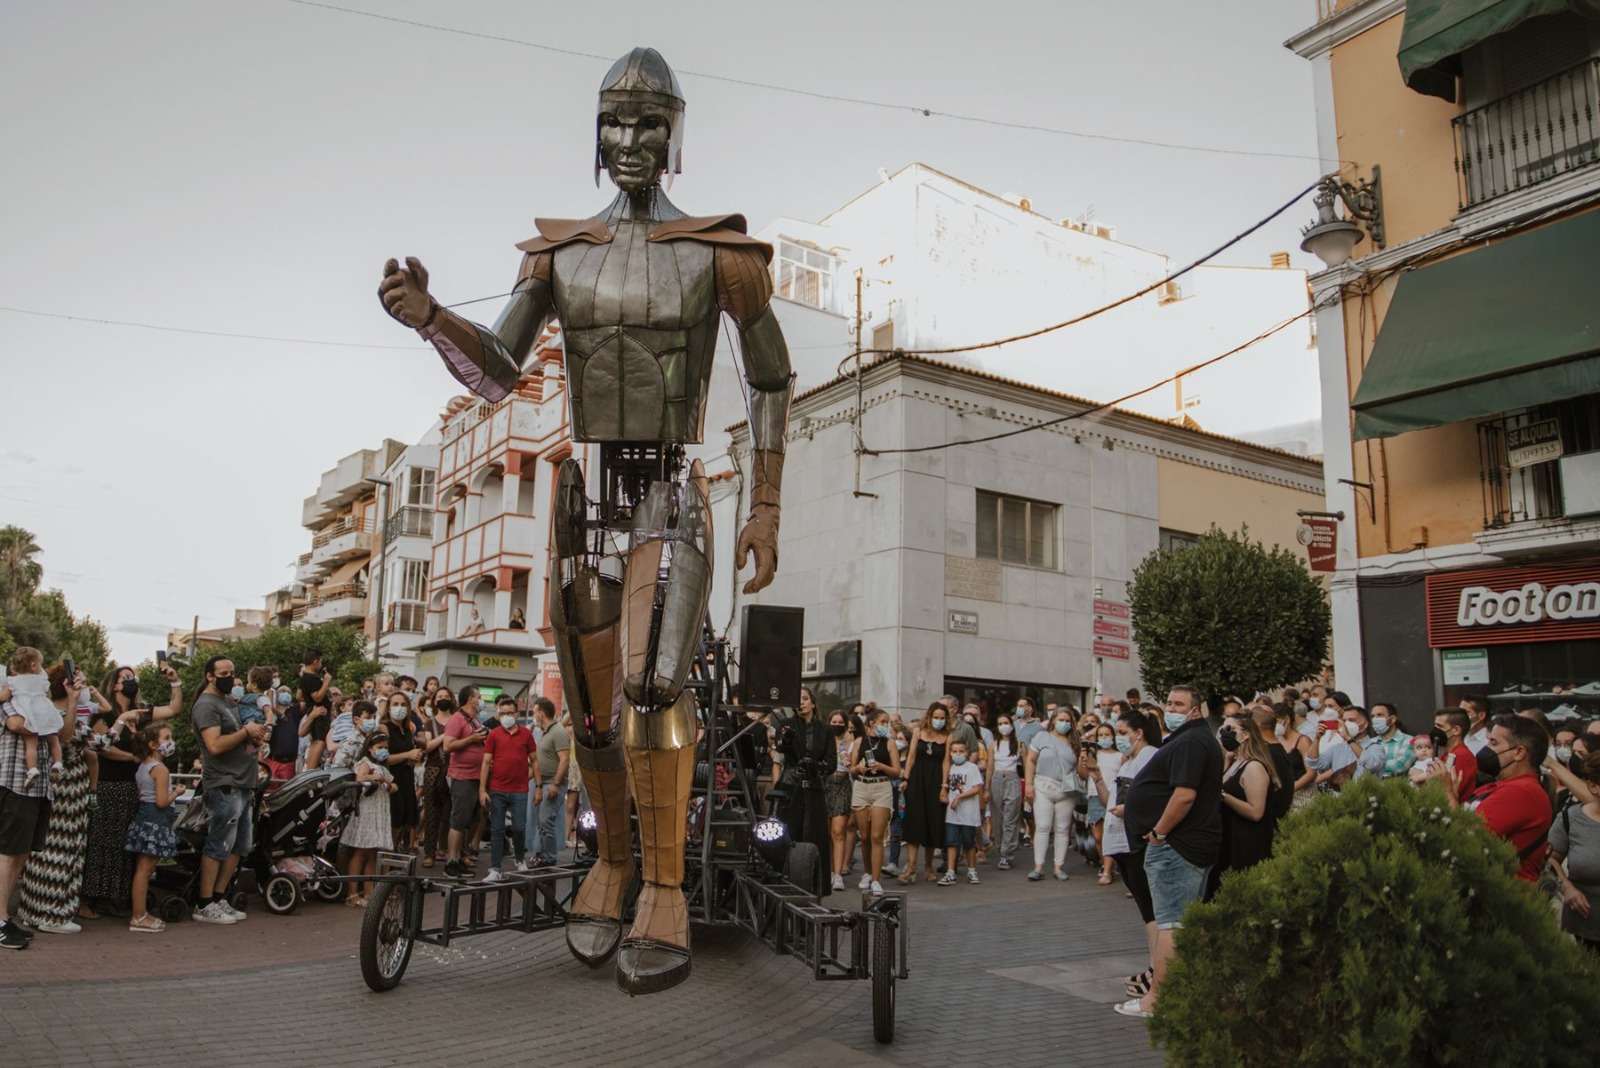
(20, 573)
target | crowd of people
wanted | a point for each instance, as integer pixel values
(1166, 799)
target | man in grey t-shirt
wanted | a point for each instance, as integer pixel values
(227, 780)
(548, 798)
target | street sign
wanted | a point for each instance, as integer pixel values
(489, 662)
(1105, 628)
(963, 622)
(1110, 650)
(1110, 609)
(1320, 536)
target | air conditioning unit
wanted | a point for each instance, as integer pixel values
(1169, 293)
(810, 661)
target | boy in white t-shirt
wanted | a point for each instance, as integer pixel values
(961, 823)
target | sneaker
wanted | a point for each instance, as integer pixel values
(1131, 1007)
(29, 779)
(452, 869)
(1003, 864)
(877, 888)
(522, 864)
(838, 881)
(494, 876)
(891, 868)
(212, 914)
(11, 936)
(60, 928)
(1035, 875)
(57, 770)
(947, 879)
(1061, 875)
(236, 915)
(972, 877)
(866, 883)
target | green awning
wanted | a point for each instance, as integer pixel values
(1436, 32)
(1506, 326)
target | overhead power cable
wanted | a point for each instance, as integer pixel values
(208, 333)
(927, 113)
(1108, 404)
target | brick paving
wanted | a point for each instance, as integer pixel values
(1007, 972)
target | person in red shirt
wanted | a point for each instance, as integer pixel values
(1454, 724)
(503, 784)
(1515, 806)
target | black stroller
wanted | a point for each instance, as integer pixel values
(295, 838)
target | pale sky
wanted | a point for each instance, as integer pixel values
(247, 168)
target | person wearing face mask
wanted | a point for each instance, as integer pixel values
(1051, 785)
(435, 783)
(1248, 784)
(1026, 721)
(405, 753)
(368, 828)
(1450, 726)
(228, 777)
(363, 721)
(809, 755)
(283, 735)
(1514, 806)
(926, 798)
(1175, 806)
(1398, 756)
(1108, 763)
(1137, 739)
(900, 734)
(1564, 764)
(1006, 789)
(1366, 755)
(1476, 706)
(1575, 858)
(1296, 749)
(836, 795)
(508, 765)
(874, 764)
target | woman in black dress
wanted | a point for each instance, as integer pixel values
(1247, 785)
(810, 757)
(405, 753)
(924, 774)
(435, 786)
(107, 866)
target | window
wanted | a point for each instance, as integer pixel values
(419, 486)
(804, 275)
(1177, 539)
(1016, 531)
(1520, 453)
(413, 580)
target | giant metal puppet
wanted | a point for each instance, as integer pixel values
(638, 290)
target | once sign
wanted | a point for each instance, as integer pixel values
(1481, 606)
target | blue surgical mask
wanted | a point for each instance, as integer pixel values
(380, 754)
(237, 693)
(882, 732)
(1380, 724)
(283, 700)
(1103, 743)
(1174, 720)
(938, 723)
(1124, 745)
(958, 758)
(1314, 702)
(368, 726)
(1063, 727)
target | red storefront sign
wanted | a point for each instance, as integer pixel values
(1320, 536)
(1510, 605)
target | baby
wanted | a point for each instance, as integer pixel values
(29, 689)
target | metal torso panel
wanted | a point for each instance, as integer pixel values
(639, 324)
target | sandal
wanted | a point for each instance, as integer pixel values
(1105, 879)
(905, 879)
(87, 913)
(146, 924)
(931, 876)
(427, 862)
(356, 902)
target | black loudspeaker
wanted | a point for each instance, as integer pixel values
(769, 660)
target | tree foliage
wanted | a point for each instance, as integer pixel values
(1227, 616)
(1385, 929)
(43, 620)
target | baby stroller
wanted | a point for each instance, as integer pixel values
(294, 833)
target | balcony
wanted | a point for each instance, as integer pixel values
(342, 540)
(1533, 136)
(406, 618)
(308, 570)
(344, 603)
(1540, 475)
(411, 520)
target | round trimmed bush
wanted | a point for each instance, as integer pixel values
(1386, 929)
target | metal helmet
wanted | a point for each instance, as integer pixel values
(643, 77)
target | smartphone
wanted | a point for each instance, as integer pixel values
(72, 668)
(161, 657)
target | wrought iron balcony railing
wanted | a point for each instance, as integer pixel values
(1530, 137)
(410, 519)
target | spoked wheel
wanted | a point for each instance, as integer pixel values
(883, 973)
(281, 895)
(385, 937)
(320, 888)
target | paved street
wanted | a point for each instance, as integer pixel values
(1007, 972)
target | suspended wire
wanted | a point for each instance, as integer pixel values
(928, 113)
(1108, 404)
(209, 333)
(1151, 288)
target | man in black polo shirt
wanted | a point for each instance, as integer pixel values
(1175, 805)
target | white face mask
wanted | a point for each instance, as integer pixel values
(1280, 730)
(508, 722)
(1351, 728)
(1005, 728)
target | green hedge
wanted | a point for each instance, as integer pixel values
(1386, 929)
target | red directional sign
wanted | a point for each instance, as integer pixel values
(1105, 628)
(1110, 650)
(1111, 609)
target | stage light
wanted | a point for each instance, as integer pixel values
(589, 830)
(771, 841)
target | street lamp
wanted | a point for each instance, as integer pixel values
(1332, 239)
(384, 486)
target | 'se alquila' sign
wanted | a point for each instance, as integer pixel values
(1481, 606)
